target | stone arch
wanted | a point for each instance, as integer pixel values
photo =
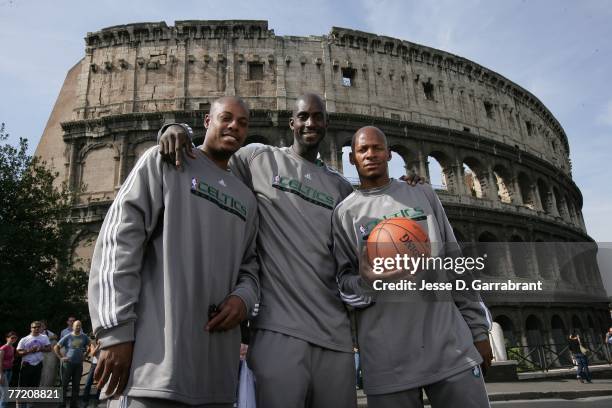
(564, 259)
(559, 330)
(489, 244)
(441, 162)
(577, 325)
(400, 156)
(96, 176)
(559, 335)
(545, 196)
(572, 217)
(508, 329)
(580, 265)
(435, 174)
(503, 184)
(526, 188)
(475, 182)
(534, 331)
(544, 258)
(518, 249)
(561, 205)
(95, 146)
(591, 330)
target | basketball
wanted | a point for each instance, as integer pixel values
(397, 236)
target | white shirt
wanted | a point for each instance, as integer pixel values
(29, 342)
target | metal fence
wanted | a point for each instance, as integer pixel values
(544, 357)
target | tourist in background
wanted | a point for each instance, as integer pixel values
(76, 345)
(579, 354)
(7, 356)
(31, 348)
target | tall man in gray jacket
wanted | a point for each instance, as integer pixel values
(422, 340)
(174, 272)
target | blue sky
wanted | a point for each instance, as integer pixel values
(559, 50)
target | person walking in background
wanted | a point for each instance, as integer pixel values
(578, 351)
(50, 362)
(76, 344)
(7, 356)
(68, 329)
(94, 353)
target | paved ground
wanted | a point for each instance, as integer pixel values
(541, 390)
(548, 389)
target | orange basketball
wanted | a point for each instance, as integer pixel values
(397, 236)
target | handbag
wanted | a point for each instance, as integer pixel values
(583, 349)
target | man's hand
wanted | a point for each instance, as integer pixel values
(114, 363)
(413, 179)
(484, 348)
(231, 312)
(172, 142)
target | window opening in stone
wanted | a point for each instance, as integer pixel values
(428, 89)
(529, 126)
(489, 109)
(472, 182)
(503, 191)
(348, 77)
(256, 71)
(397, 165)
(437, 177)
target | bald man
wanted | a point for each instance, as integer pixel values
(412, 341)
(301, 350)
(167, 291)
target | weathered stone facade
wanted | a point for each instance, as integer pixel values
(430, 103)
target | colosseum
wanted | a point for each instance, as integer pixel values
(506, 172)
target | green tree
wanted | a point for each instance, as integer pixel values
(38, 279)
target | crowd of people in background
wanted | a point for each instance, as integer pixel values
(42, 359)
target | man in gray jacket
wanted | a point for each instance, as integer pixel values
(414, 340)
(174, 272)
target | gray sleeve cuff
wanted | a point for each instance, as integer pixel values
(185, 127)
(116, 335)
(249, 299)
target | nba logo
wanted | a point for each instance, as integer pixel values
(276, 179)
(363, 230)
(194, 183)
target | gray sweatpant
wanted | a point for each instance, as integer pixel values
(290, 372)
(466, 389)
